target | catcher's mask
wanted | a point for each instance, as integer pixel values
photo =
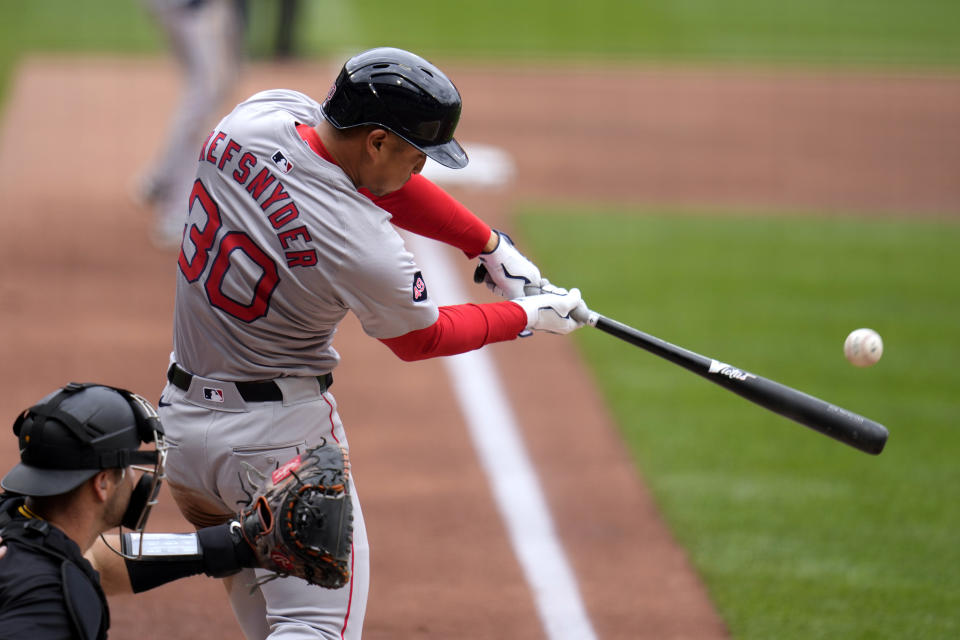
(81, 429)
(403, 93)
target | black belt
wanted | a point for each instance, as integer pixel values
(260, 391)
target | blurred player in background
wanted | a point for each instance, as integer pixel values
(206, 38)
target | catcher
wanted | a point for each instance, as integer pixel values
(299, 524)
(81, 474)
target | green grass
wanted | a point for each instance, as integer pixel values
(868, 32)
(64, 26)
(821, 31)
(797, 536)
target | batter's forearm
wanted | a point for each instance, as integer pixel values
(461, 328)
(492, 242)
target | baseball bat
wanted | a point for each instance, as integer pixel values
(829, 419)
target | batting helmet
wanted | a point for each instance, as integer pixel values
(76, 431)
(401, 92)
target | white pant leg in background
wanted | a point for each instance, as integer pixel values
(205, 38)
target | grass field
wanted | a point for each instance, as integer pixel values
(797, 535)
(858, 32)
(852, 31)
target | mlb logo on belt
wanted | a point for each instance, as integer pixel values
(212, 394)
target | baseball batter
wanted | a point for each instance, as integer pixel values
(291, 225)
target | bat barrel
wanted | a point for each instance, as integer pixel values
(830, 420)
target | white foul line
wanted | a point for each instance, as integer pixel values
(503, 456)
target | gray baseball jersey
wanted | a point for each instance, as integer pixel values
(278, 246)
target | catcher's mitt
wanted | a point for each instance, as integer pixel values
(301, 523)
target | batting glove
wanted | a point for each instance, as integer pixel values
(550, 310)
(507, 270)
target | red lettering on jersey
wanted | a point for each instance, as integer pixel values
(301, 258)
(263, 288)
(247, 162)
(284, 214)
(279, 194)
(202, 239)
(203, 147)
(259, 184)
(213, 147)
(286, 237)
(232, 147)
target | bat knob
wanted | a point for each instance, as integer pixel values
(480, 273)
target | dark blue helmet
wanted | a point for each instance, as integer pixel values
(403, 93)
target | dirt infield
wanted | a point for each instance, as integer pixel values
(85, 297)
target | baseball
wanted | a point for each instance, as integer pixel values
(863, 347)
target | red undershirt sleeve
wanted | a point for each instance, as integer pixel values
(461, 328)
(423, 208)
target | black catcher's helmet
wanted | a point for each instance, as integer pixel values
(401, 92)
(78, 430)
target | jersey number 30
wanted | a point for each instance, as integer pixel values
(204, 239)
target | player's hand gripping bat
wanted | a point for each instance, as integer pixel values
(830, 420)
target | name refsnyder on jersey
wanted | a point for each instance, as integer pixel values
(279, 207)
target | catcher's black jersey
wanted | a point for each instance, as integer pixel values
(40, 567)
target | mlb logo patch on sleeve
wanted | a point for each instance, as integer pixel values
(419, 288)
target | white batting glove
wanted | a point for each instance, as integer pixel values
(508, 270)
(550, 311)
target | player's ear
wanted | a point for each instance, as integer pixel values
(102, 483)
(106, 481)
(376, 139)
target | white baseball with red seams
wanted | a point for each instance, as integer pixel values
(863, 347)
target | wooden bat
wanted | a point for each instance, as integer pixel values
(830, 420)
